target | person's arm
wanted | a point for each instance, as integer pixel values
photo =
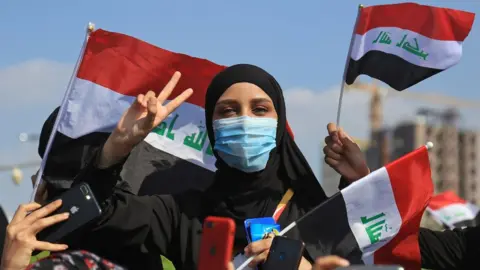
(450, 249)
(128, 222)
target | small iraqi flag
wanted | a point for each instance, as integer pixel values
(376, 219)
(403, 44)
(452, 211)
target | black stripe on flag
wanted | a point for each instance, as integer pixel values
(325, 231)
(151, 171)
(468, 223)
(388, 68)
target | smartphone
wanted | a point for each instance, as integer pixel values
(372, 267)
(285, 254)
(80, 202)
(216, 245)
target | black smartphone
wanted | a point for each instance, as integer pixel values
(80, 202)
(285, 254)
(372, 267)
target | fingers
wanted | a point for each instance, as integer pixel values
(332, 131)
(151, 112)
(332, 162)
(329, 263)
(329, 152)
(230, 266)
(45, 246)
(259, 249)
(347, 141)
(167, 90)
(173, 105)
(43, 212)
(258, 259)
(47, 222)
(258, 246)
(139, 100)
(23, 210)
(333, 145)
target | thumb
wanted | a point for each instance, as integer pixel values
(347, 141)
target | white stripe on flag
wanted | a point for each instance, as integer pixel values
(441, 54)
(94, 108)
(454, 213)
(372, 213)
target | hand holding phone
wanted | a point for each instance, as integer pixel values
(82, 206)
(216, 245)
(285, 254)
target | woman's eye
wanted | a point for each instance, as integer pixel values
(260, 110)
(227, 111)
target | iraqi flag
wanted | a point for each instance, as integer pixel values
(403, 44)
(115, 68)
(452, 211)
(376, 219)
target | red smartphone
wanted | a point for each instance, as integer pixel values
(216, 245)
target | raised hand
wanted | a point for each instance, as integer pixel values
(147, 112)
(344, 155)
(21, 239)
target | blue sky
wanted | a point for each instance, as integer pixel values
(302, 43)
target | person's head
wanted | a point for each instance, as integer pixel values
(245, 114)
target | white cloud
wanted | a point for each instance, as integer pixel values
(34, 82)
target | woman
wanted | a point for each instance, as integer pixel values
(446, 250)
(257, 162)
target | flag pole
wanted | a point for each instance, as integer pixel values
(342, 85)
(90, 28)
(429, 145)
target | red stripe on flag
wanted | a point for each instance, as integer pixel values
(443, 199)
(131, 66)
(412, 187)
(432, 22)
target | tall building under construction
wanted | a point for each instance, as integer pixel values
(454, 159)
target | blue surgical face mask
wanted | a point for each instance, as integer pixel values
(245, 142)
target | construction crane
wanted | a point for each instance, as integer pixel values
(380, 138)
(376, 105)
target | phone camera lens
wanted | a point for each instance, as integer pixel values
(209, 225)
(282, 256)
(84, 190)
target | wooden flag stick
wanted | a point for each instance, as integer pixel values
(342, 85)
(89, 30)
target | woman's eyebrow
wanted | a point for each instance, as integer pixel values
(259, 100)
(227, 102)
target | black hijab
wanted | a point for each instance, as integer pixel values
(241, 195)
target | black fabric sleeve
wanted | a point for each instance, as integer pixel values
(343, 183)
(450, 249)
(128, 222)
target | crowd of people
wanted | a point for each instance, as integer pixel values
(257, 163)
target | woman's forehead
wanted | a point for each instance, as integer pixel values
(244, 91)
